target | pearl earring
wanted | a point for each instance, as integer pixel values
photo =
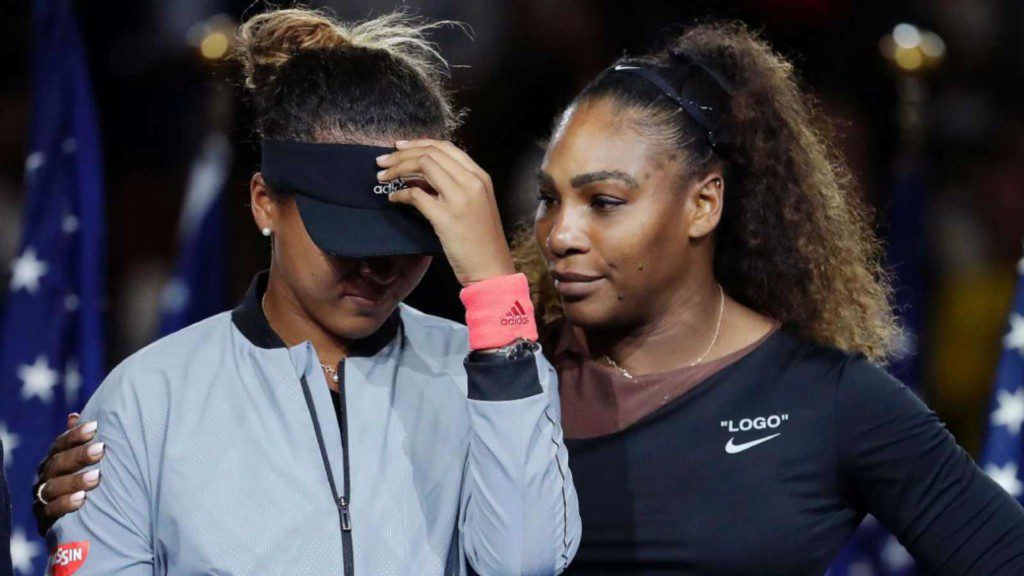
(266, 231)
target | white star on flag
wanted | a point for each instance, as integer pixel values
(869, 522)
(1010, 412)
(23, 551)
(34, 160)
(69, 224)
(72, 381)
(895, 556)
(10, 441)
(27, 270)
(175, 296)
(1006, 476)
(38, 380)
(1015, 338)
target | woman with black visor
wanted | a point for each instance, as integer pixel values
(717, 315)
(322, 427)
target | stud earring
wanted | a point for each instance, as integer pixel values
(266, 231)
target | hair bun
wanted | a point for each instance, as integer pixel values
(267, 41)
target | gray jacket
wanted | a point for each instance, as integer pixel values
(226, 455)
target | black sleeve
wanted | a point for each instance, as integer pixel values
(490, 376)
(898, 462)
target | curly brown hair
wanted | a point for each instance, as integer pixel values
(794, 243)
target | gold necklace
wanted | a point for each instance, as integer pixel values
(714, 339)
(331, 372)
(326, 367)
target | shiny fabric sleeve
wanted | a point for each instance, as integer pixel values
(519, 512)
(898, 462)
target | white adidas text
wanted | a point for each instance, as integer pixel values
(389, 187)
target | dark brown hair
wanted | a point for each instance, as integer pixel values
(315, 79)
(794, 242)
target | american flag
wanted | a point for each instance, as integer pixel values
(1003, 453)
(51, 345)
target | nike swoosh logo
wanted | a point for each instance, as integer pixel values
(731, 448)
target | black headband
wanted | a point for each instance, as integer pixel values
(707, 96)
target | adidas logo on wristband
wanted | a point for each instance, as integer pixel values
(516, 316)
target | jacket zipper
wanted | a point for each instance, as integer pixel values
(345, 501)
(342, 502)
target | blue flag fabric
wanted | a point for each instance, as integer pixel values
(873, 551)
(1003, 452)
(51, 338)
(198, 288)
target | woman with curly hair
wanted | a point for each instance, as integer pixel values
(717, 315)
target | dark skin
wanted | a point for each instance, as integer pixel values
(614, 209)
(327, 300)
(617, 212)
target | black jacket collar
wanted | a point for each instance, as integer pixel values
(250, 320)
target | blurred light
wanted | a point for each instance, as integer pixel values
(932, 45)
(213, 37)
(912, 50)
(214, 46)
(909, 59)
(906, 35)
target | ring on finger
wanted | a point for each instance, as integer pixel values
(39, 495)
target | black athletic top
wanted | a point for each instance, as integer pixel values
(768, 466)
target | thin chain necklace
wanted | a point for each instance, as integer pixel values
(327, 367)
(714, 340)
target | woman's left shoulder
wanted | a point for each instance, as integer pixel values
(851, 375)
(864, 393)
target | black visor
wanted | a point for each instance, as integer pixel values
(344, 208)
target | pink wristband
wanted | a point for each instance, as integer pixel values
(498, 310)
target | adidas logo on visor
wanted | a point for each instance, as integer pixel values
(516, 316)
(389, 187)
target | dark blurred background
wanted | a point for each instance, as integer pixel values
(920, 93)
(156, 99)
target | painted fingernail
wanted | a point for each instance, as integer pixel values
(78, 497)
(401, 142)
(382, 157)
(91, 476)
(380, 174)
(95, 449)
(89, 427)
